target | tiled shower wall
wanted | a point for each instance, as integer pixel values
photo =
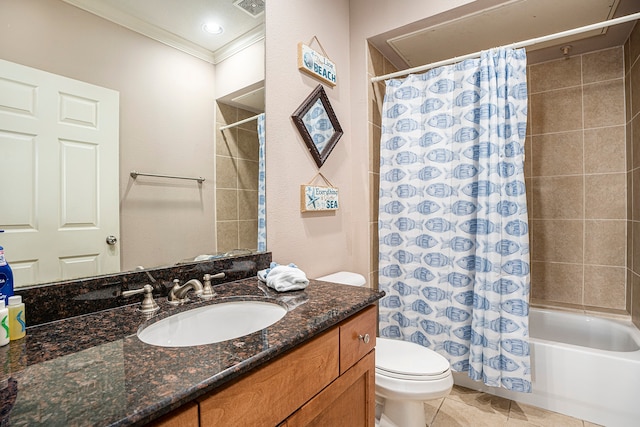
(576, 179)
(377, 66)
(632, 90)
(236, 180)
(576, 175)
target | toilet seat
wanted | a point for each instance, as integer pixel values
(409, 361)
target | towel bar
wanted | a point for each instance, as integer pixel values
(135, 174)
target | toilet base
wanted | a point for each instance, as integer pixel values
(405, 413)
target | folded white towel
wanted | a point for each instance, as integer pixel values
(284, 278)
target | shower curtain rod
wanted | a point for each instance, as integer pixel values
(240, 122)
(530, 42)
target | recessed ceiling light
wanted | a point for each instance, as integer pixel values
(213, 28)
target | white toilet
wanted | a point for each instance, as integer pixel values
(407, 374)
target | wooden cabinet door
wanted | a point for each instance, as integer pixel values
(267, 396)
(348, 401)
(185, 416)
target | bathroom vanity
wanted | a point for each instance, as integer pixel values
(326, 381)
(313, 366)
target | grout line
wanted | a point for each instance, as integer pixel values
(584, 182)
(629, 162)
(560, 132)
(582, 84)
(581, 174)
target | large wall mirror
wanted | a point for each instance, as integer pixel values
(177, 86)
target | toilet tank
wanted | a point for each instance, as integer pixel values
(345, 278)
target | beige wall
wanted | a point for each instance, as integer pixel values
(242, 70)
(632, 90)
(325, 242)
(575, 172)
(317, 242)
(237, 153)
(166, 120)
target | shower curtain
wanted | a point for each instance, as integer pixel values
(453, 230)
(262, 217)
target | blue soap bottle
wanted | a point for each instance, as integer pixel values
(6, 277)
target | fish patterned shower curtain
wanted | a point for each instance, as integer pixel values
(453, 230)
(262, 215)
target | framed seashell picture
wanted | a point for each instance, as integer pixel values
(318, 125)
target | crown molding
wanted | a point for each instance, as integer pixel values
(116, 16)
(247, 39)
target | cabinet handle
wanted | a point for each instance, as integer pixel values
(364, 338)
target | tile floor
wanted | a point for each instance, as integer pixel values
(464, 407)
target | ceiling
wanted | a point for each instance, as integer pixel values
(464, 30)
(457, 32)
(179, 23)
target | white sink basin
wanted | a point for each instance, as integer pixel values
(212, 323)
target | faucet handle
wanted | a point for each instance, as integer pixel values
(143, 289)
(148, 303)
(207, 290)
(172, 298)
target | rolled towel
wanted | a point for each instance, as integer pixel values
(262, 274)
(284, 278)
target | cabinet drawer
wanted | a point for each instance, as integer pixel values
(353, 333)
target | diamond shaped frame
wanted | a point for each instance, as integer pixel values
(315, 115)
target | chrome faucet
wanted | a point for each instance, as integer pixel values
(178, 293)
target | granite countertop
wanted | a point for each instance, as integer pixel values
(93, 369)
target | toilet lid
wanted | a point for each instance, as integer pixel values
(403, 359)
(344, 278)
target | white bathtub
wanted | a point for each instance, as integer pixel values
(582, 366)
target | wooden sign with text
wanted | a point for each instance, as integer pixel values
(316, 65)
(313, 198)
